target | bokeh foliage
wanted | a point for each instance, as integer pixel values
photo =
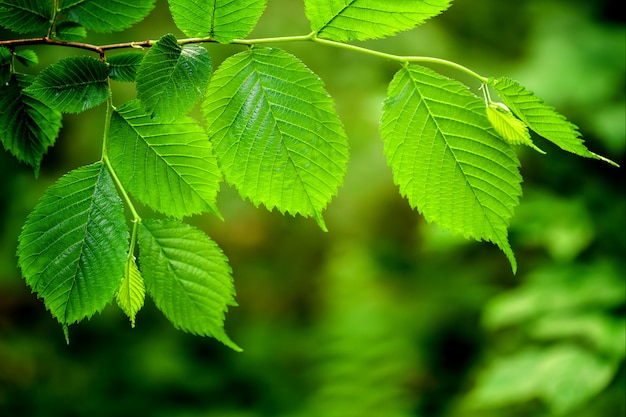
(384, 314)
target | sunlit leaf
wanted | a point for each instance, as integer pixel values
(27, 126)
(26, 16)
(168, 166)
(106, 16)
(275, 131)
(446, 158)
(131, 294)
(222, 20)
(72, 85)
(73, 245)
(509, 127)
(356, 20)
(541, 118)
(188, 277)
(172, 78)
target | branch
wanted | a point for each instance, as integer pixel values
(100, 49)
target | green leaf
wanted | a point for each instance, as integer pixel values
(26, 16)
(27, 57)
(563, 376)
(5, 65)
(69, 31)
(446, 158)
(72, 85)
(357, 20)
(509, 127)
(168, 166)
(275, 131)
(222, 20)
(73, 246)
(123, 67)
(188, 277)
(172, 78)
(106, 16)
(27, 126)
(132, 293)
(541, 118)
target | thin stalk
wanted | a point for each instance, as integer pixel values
(402, 58)
(107, 162)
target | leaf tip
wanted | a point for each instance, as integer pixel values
(320, 221)
(66, 333)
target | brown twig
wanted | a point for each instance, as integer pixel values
(99, 49)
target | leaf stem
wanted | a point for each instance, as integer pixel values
(107, 162)
(100, 49)
(401, 58)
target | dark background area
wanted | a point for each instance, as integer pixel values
(384, 315)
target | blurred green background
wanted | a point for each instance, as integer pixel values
(384, 315)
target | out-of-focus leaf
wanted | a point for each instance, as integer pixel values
(563, 376)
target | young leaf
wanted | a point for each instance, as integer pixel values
(541, 118)
(170, 167)
(72, 85)
(172, 78)
(222, 20)
(188, 277)
(446, 158)
(509, 127)
(275, 131)
(132, 293)
(357, 20)
(123, 67)
(5, 65)
(69, 31)
(106, 16)
(27, 57)
(73, 245)
(26, 16)
(27, 126)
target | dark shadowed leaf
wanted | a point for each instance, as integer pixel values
(27, 126)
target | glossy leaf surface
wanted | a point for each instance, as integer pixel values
(446, 158)
(275, 131)
(73, 246)
(170, 167)
(188, 277)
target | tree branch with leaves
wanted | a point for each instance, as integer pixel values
(271, 132)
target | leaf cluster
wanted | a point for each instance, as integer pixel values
(271, 132)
